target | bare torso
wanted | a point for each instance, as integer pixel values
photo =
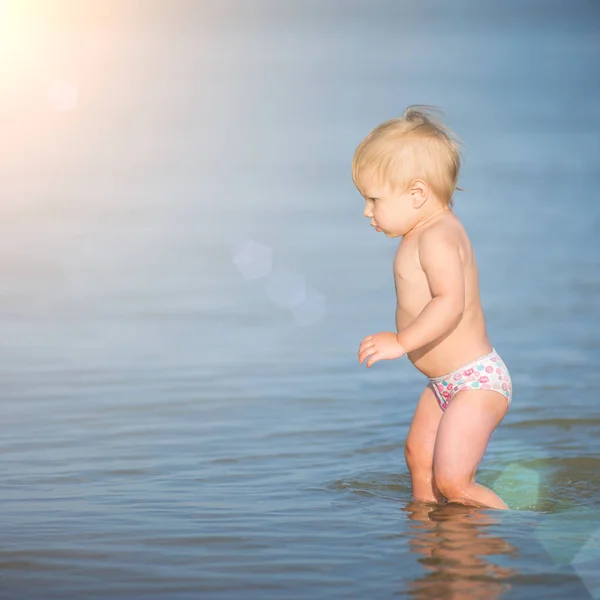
(468, 340)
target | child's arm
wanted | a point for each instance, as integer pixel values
(442, 265)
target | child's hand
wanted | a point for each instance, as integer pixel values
(381, 346)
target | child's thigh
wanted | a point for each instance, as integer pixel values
(423, 429)
(465, 431)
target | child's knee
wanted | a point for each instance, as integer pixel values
(453, 488)
(417, 457)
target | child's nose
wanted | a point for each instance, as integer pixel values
(368, 212)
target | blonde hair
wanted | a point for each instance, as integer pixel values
(414, 146)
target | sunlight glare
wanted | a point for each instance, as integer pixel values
(22, 53)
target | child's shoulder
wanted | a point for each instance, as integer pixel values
(445, 228)
(443, 235)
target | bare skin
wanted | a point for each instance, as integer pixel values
(443, 248)
(440, 327)
(420, 446)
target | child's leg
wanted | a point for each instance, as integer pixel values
(462, 439)
(419, 447)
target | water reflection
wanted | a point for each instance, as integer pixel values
(456, 544)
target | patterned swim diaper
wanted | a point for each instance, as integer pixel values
(486, 373)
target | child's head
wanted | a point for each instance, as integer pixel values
(413, 160)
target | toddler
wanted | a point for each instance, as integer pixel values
(407, 170)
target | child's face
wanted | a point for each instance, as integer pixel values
(392, 212)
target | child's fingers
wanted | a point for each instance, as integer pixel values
(365, 354)
(365, 349)
(373, 359)
(365, 342)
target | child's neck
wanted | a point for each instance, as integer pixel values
(432, 213)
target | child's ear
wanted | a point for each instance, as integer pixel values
(419, 193)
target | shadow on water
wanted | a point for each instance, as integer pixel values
(455, 544)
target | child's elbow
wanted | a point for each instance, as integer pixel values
(452, 307)
(456, 307)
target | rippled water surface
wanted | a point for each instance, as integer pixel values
(185, 276)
